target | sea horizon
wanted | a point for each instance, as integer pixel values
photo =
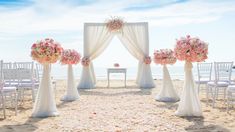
(176, 72)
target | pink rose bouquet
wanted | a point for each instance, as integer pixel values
(115, 24)
(191, 49)
(116, 65)
(46, 51)
(70, 56)
(147, 60)
(85, 61)
(164, 56)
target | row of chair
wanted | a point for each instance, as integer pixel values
(15, 79)
(220, 84)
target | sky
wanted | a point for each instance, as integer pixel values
(23, 22)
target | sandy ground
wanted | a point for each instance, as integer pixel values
(118, 109)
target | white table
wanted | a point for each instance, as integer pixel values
(116, 70)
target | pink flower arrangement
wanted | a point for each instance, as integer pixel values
(164, 56)
(46, 51)
(70, 56)
(116, 65)
(191, 49)
(85, 61)
(147, 60)
(115, 24)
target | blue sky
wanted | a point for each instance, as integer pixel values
(23, 22)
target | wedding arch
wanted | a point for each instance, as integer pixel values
(135, 39)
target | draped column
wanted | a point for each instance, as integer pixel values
(45, 104)
(135, 39)
(167, 92)
(96, 40)
(189, 104)
(71, 93)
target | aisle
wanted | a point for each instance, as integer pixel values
(117, 109)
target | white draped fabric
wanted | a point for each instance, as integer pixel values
(45, 104)
(96, 39)
(134, 37)
(167, 92)
(72, 92)
(189, 104)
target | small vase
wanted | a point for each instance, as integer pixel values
(189, 104)
(72, 92)
(167, 92)
(45, 104)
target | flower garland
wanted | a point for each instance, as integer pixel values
(46, 51)
(115, 24)
(85, 61)
(164, 56)
(147, 60)
(191, 49)
(70, 56)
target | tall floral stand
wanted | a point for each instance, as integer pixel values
(167, 92)
(72, 92)
(45, 104)
(189, 104)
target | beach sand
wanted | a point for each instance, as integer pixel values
(119, 109)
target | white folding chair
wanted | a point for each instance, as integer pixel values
(27, 79)
(230, 96)
(223, 71)
(204, 71)
(6, 91)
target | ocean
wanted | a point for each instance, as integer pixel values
(176, 72)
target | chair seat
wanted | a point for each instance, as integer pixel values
(219, 84)
(28, 84)
(201, 82)
(231, 88)
(12, 84)
(8, 89)
(232, 83)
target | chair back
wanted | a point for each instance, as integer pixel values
(7, 65)
(223, 71)
(204, 71)
(25, 70)
(24, 65)
(10, 75)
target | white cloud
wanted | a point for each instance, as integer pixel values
(58, 17)
(64, 22)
